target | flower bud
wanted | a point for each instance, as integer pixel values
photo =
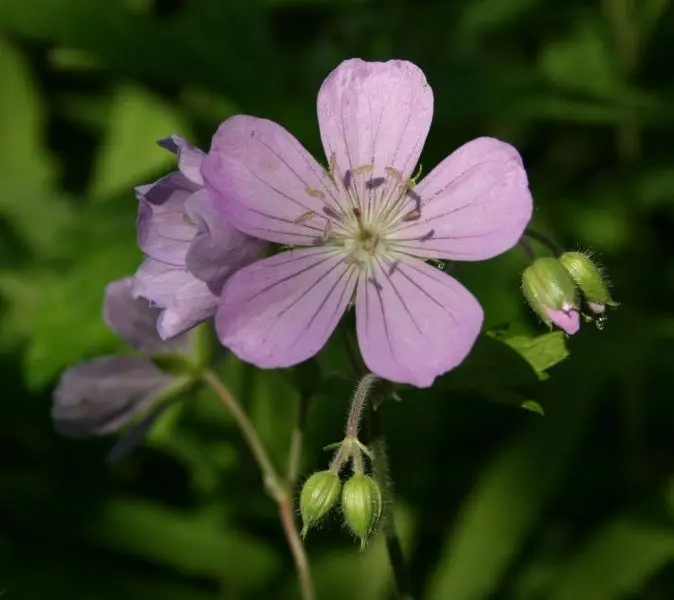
(319, 494)
(362, 505)
(552, 294)
(590, 280)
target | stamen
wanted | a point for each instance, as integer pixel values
(394, 173)
(362, 169)
(315, 193)
(413, 180)
(327, 231)
(331, 168)
(331, 212)
(304, 217)
(413, 215)
(375, 182)
(375, 283)
(348, 179)
(188, 221)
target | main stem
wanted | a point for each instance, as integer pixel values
(276, 487)
(380, 467)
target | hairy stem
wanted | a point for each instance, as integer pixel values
(359, 404)
(277, 488)
(381, 473)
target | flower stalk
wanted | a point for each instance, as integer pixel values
(274, 484)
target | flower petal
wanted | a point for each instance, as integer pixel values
(375, 113)
(567, 320)
(189, 157)
(414, 322)
(281, 310)
(474, 205)
(100, 396)
(135, 321)
(185, 300)
(163, 231)
(265, 183)
(217, 249)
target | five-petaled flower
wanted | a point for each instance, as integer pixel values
(191, 249)
(366, 227)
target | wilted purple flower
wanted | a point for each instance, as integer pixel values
(106, 393)
(191, 249)
(363, 222)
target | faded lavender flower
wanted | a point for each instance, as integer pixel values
(100, 396)
(363, 223)
(191, 249)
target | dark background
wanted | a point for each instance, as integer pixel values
(494, 502)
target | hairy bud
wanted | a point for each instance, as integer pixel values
(362, 504)
(552, 294)
(318, 496)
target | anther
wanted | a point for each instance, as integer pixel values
(330, 212)
(348, 179)
(362, 169)
(188, 221)
(304, 217)
(413, 215)
(375, 182)
(394, 172)
(314, 193)
(327, 231)
(427, 236)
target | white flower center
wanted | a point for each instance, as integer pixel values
(361, 211)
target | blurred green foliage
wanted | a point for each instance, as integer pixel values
(494, 502)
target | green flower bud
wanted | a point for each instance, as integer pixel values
(590, 280)
(362, 504)
(552, 294)
(319, 494)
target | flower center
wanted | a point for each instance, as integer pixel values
(360, 210)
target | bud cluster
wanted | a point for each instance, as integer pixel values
(560, 290)
(360, 497)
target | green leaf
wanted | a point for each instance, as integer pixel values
(582, 62)
(503, 509)
(542, 352)
(27, 200)
(65, 320)
(129, 154)
(195, 544)
(615, 563)
(533, 406)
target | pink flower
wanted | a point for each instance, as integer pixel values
(567, 319)
(362, 223)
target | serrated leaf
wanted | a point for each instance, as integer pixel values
(129, 153)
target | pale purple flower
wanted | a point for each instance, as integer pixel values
(365, 227)
(567, 319)
(100, 396)
(191, 249)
